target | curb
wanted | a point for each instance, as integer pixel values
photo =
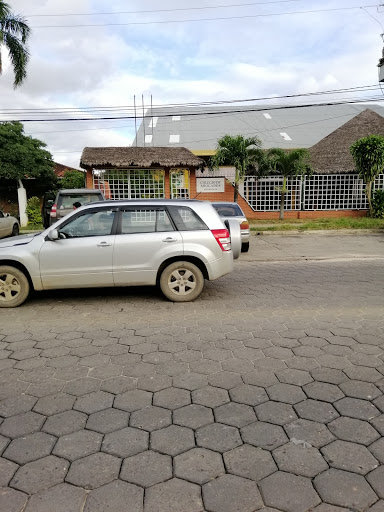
(331, 232)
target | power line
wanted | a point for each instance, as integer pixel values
(189, 114)
(150, 11)
(162, 22)
(123, 108)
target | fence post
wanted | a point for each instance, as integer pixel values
(22, 197)
(302, 206)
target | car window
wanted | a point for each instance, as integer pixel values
(89, 224)
(186, 219)
(228, 210)
(67, 200)
(145, 221)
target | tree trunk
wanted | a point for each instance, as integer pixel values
(282, 198)
(368, 191)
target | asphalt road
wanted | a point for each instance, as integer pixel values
(265, 393)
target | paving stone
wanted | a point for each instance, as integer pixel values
(65, 497)
(63, 361)
(377, 449)
(94, 402)
(151, 418)
(325, 507)
(231, 493)
(94, 471)
(378, 423)
(105, 372)
(154, 383)
(247, 394)
(78, 444)
(237, 415)
(237, 365)
(157, 357)
(309, 351)
(355, 408)
(11, 500)
(12, 388)
(48, 387)
(17, 405)
(239, 335)
(172, 398)
(302, 363)
(258, 343)
(299, 460)
(275, 412)
(27, 353)
(295, 377)
(316, 434)
(264, 435)
(345, 489)
(65, 423)
(173, 440)
(133, 400)
(329, 375)
(7, 470)
(225, 380)
(22, 424)
(40, 474)
(260, 378)
(286, 393)
(218, 437)
(365, 360)
(147, 468)
(125, 442)
(363, 373)
(82, 386)
(193, 416)
(4, 442)
(207, 366)
(331, 361)
(115, 496)
(118, 385)
(176, 368)
(355, 431)
(249, 462)
(108, 420)
(376, 479)
(190, 381)
(323, 391)
(250, 354)
(125, 359)
(38, 375)
(377, 507)
(175, 495)
(199, 465)
(31, 447)
(217, 354)
(71, 373)
(316, 411)
(358, 389)
(269, 363)
(143, 348)
(210, 396)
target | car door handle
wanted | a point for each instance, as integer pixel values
(169, 240)
(104, 244)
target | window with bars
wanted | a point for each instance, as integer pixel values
(180, 183)
(130, 184)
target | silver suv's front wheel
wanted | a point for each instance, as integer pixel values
(181, 281)
(14, 287)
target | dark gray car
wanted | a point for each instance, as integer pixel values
(66, 199)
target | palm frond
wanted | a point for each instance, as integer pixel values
(19, 56)
(15, 25)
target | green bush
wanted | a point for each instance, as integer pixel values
(378, 204)
(73, 179)
(33, 211)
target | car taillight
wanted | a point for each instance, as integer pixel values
(244, 225)
(53, 210)
(222, 238)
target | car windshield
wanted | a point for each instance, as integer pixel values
(66, 201)
(228, 210)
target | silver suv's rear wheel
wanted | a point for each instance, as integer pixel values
(14, 287)
(181, 281)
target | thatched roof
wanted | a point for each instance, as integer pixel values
(332, 155)
(124, 157)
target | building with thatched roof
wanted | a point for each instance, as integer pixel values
(332, 154)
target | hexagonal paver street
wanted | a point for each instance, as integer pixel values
(266, 393)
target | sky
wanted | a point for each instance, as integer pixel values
(75, 65)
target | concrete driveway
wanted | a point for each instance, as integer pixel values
(264, 394)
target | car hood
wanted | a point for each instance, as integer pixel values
(17, 240)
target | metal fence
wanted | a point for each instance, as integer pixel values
(180, 183)
(130, 184)
(317, 192)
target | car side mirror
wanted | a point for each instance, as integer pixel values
(53, 235)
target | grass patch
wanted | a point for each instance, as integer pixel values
(316, 224)
(33, 227)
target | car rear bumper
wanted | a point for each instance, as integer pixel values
(221, 266)
(245, 235)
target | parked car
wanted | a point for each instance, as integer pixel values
(67, 197)
(175, 244)
(9, 226)
(233, 211)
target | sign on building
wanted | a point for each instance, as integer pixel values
(210, 185)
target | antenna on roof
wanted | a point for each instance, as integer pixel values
(134, 103)
(142, 102)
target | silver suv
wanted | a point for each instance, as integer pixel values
(175, 244)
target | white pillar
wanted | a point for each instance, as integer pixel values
(22, 197)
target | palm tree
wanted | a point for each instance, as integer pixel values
(239, 152)
(288, 164)
(14, 33)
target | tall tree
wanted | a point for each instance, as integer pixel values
(23, 157)
(287, 164)
(368, 155)
(239, 152)
(14, 34)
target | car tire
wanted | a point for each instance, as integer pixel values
(15, 230)
(245, 247)
(235, 234)
(188, 275)
(14, 287)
